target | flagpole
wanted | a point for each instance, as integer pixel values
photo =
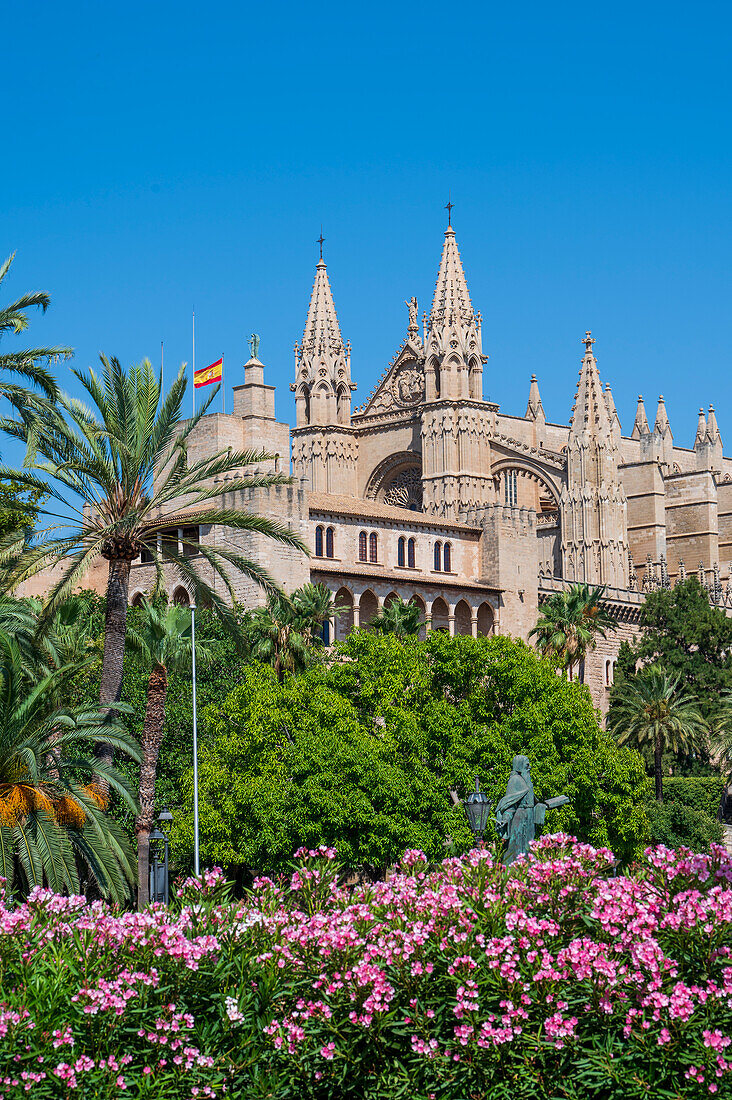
(161, 358)
(196, 844)
(193, 387)
(223, 387)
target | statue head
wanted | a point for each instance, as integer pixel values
(521, 765)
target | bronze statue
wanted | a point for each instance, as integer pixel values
(254, 345)
(518, 813)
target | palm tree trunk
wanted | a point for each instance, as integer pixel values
(582, 670)
(115, 628)
(152, 737)
(658, 766)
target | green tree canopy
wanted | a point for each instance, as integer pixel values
(690, 638)
(363, 750)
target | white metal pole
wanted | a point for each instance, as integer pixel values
(193, 387)
(196, 854)
(223, 386)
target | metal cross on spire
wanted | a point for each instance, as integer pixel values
(448, 206)
(588, 340)
(320, 240)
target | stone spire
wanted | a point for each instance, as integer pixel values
(534, 409)
(640, 424)
(454, 349)
(593, 504)
(323, 362)
(701, 429)
(662, 432)
(613, 413)
(715, 440)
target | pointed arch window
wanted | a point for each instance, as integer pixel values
(318, 542)
(411, 547)
(401, 548)
(373, 547)
(362, 547)
(447, 557)
(438, 557)
(329, 543)
(510, 487)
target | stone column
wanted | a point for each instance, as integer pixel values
(428, 616)
(451, 619)
(474, 623)
(356, 610)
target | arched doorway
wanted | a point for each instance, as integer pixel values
(463, 618)
(181, 597)
(422, 615)
(486, 619)
(440, 615)
(344, 621)
(137, 600)
(368, 608)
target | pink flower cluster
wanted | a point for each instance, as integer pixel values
(461, 965)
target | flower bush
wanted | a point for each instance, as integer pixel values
(556, 978)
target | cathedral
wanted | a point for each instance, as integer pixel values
(429, 492)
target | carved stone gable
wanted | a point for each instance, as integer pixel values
(402, 386)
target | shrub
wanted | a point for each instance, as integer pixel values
(555, 979)
(675, 824)
(700, 792)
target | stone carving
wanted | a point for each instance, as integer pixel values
(405, 490)
(254, 342)
(408, 386)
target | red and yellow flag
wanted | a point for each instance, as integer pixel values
(206, 375)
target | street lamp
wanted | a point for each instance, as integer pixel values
(159, 876)
(477, 807)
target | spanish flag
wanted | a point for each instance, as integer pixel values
(207, 375)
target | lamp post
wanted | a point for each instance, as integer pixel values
(159, 874)
(196, 859)
(477, 807)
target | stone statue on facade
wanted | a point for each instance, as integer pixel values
(254, 345)
(518, 813)
(412, 307)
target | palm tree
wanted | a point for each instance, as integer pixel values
(121, 475)
(27, 364)
(654, 711)
(570, 622)
(52, 818)
(397, 617)
(283, 632)
(161, 636)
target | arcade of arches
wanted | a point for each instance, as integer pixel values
(452, 615)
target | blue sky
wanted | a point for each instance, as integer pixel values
(159, 156)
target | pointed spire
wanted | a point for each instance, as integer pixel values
(640, 424)
(610, 402)
(322, 331)
(454, 353)
(534, 407)
(701, 429)
(451, 304)
(662, 424)
(590, 409)
(322, 362)
(593, 504)
(712, 429)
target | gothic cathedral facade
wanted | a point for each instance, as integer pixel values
(428, 492)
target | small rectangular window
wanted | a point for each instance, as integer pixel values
(190, 541)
